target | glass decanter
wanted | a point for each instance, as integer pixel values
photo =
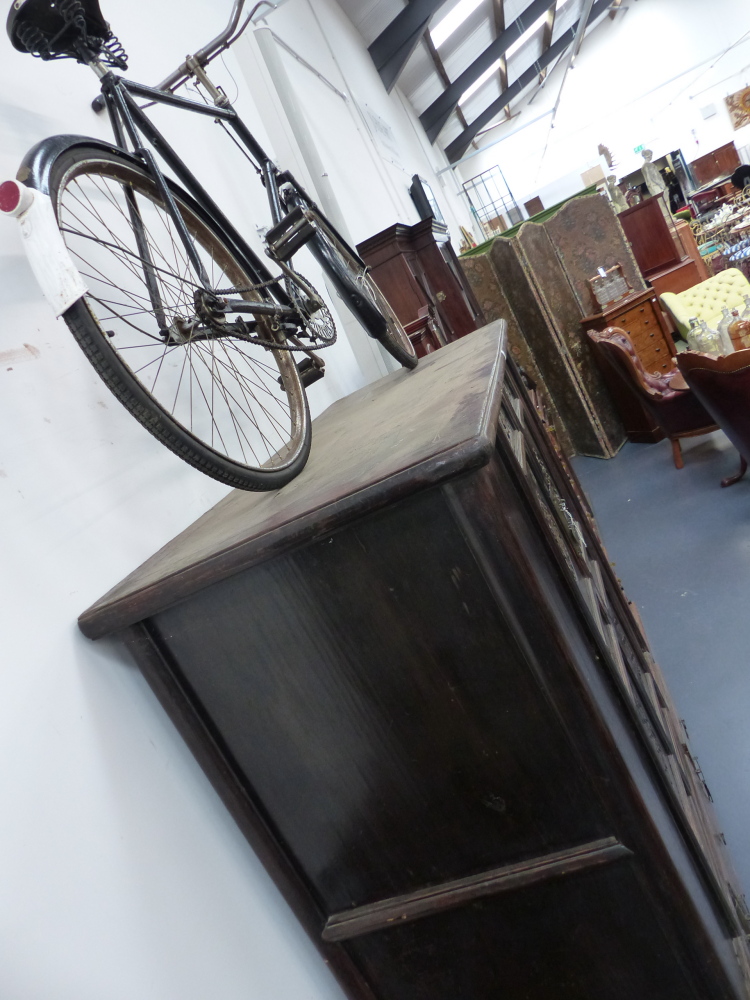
(702, 338)
(739, 331)
(727, 347)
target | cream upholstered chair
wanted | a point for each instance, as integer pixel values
(707, 299)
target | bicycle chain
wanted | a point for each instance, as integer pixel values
(272, 344)
(250, 288)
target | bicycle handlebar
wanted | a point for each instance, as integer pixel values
(219, 44)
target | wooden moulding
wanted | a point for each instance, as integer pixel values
(456, 432)
(413, 905)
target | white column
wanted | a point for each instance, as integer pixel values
(294, 148)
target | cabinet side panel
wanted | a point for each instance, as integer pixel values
(207, 747)
(382, 711)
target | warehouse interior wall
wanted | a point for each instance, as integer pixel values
(123, 875)
(644, 79)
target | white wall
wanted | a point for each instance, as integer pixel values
(640, 80)
(122, 876)
(370, 170)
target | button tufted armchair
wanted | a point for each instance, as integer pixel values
(707, 299)
(677, 411)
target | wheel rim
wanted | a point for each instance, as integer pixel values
(372, 295)
(224, 393)
(395, 329)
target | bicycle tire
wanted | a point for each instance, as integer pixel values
(235, 411)
(361, 294)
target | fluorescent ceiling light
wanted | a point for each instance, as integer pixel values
(519, 42)
(445, 28)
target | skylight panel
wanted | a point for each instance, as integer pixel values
(519, 42)
(478, 83)
(454, 19)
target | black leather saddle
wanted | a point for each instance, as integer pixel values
(63, 29)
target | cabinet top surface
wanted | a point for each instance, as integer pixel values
(402, 433)
(401, 237)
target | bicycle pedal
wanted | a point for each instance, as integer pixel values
(309, 373)
(286, 237)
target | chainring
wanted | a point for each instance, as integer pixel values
(319, 326)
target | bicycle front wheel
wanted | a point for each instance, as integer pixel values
(234, 410)
(362, 295)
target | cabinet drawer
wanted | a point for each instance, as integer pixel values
(641, 326)
(656, 359)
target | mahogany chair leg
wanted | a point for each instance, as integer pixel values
(731, 480)
(677, 453)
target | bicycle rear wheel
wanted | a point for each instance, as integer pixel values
(234, 410)
(361, 294)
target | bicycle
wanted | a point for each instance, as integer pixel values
(184, 322)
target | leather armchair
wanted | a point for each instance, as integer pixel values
(677, 411)
(723, 387)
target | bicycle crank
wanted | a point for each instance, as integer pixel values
(311, 369)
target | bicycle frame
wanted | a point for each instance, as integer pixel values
(129, 120)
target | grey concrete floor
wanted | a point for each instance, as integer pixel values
(681, 546)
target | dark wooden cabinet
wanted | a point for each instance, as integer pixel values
(654, 245)
(657, 247)
(719, 163)
(419, 688)
(416, 266)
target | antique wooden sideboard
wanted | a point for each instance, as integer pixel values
(417, 685)
(717, 164)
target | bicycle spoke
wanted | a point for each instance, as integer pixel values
(239, 433)
(222, 390)
(252, 385)
(123, 260)
(120, 316)
(264, 408)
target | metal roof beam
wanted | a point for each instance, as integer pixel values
(549, 27)
(440, 69)
(456, 149)
(498, 11)
(391, 49)
(435, 117)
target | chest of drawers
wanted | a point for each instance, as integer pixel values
(641, 317)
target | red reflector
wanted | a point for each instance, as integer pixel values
(10, 196)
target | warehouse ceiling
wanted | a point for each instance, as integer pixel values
(465, 65)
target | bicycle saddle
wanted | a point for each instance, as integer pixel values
(64, 29)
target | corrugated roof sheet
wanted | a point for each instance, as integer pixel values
(421, 81)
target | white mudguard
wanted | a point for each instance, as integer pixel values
(50, 259)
